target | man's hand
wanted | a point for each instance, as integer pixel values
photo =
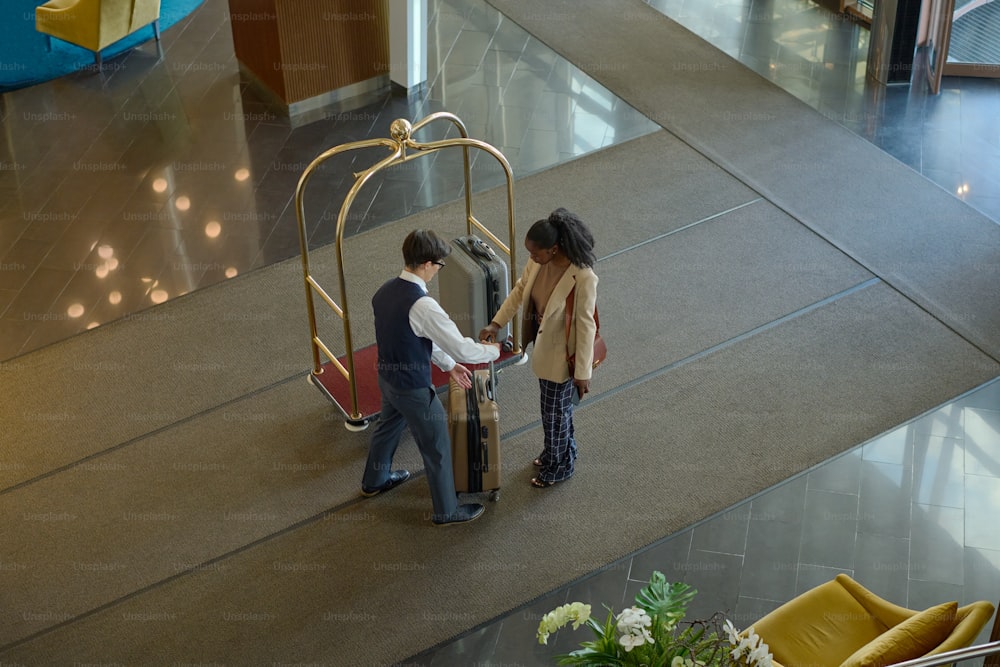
(582, 387)
(462, 376)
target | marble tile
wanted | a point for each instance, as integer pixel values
(982, 497)
(884, 506)
(808, 576)
(668, 556)
(604, 586)
(939, 471)
(882, 564)
(840, 475)
(924, 594)
(982, 441)
(945, 422)
(892, 447)
(726, 533)
(716, 577)
(937, 539)
(829, 529)
(771, 560)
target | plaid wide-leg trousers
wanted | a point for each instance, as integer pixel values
(559, 454)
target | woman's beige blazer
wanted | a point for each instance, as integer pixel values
(548, 359)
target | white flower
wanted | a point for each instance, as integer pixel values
(760, 656)
(751, 647)
(633, 619)
(637, 638)
(576, 612)
(633, 623)
(732, 633)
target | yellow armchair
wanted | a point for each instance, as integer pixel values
(842, 623)
(95, 24)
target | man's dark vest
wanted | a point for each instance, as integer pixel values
(404, 358)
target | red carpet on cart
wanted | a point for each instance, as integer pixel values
(338, 390)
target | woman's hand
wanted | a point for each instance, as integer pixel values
(582, 387)
(489, 332)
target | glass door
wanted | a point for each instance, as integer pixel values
(974, 46)
(964, 39)
(939, 31)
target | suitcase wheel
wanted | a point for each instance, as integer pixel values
(494, 495)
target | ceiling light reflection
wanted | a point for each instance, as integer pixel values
(183, 203)
(231, 272)
(213, 229)
(115, 297)
(105, 252)
(242, 174)
(75, 310)
(160, 185)
(159, 296)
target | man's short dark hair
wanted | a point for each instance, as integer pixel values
(423, 245)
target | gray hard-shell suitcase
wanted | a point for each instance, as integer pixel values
(473, 284)
(474, 427)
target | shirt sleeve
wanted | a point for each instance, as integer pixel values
(428, 320)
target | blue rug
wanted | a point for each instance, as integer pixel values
(24, 60)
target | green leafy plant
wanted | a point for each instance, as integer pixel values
(652, 633)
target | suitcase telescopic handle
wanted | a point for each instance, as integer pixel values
(479, 247)
(488, 390)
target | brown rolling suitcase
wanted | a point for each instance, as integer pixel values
(474, 426)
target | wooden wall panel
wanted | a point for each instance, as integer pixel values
(304, 48)
(329, 44)
(256, 41)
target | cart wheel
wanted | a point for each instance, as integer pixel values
(494, 495)
(356, 426)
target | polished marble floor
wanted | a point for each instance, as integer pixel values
(952, 138)
(910, 514)
(164, 175)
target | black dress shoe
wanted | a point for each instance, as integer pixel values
(396, 477)
(467, 512)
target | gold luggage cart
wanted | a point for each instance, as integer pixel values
(350, 380)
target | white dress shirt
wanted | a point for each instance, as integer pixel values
(428, 320)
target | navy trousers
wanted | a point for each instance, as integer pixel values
(422, 412)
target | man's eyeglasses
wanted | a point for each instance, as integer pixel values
(441, 264)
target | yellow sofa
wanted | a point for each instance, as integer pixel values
(842, 623)
(95, 24)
